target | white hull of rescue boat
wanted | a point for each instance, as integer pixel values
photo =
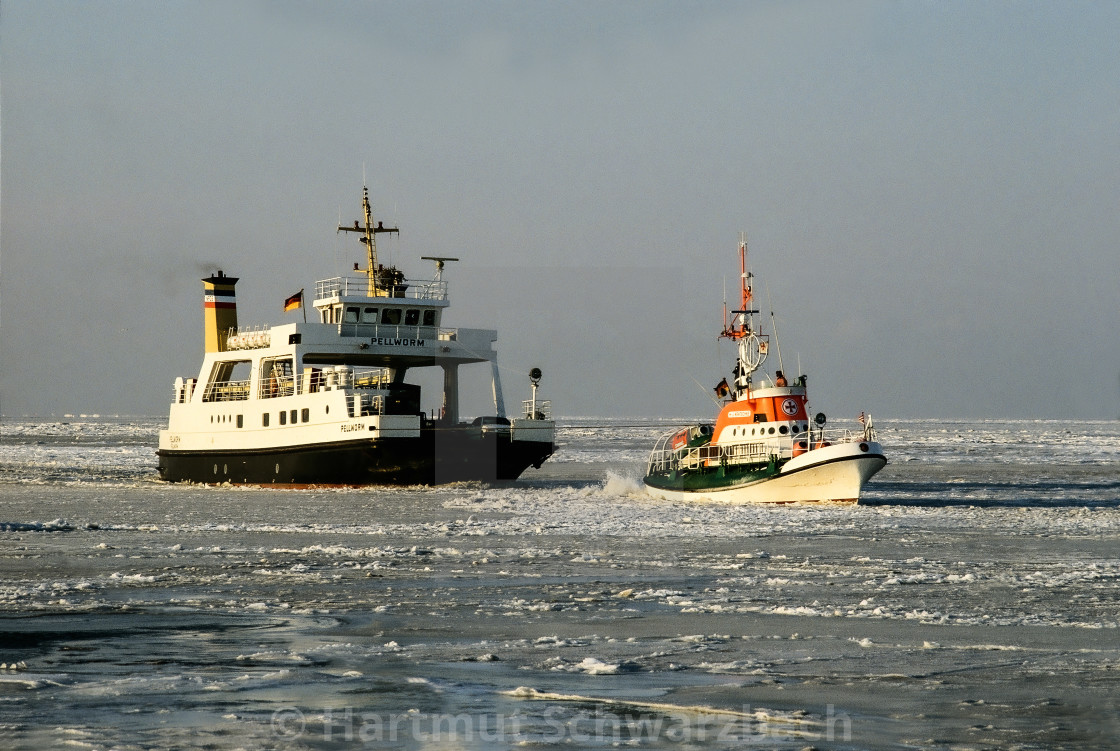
(831, 474)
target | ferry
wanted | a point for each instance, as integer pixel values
(763, 446)
(325, 402)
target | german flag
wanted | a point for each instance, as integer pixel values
(293, 302)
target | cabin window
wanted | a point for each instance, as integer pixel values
(305, 414)
(240, 421)
(264, 420)
(391, 316)
(429, 318)
(229, 381)
(369, 315)
(277, 377)
(283, 417)
(351, 314)
(783, 430)
(293, 417)
(412, 318)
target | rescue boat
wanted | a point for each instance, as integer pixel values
(326, 401)
(763, 447)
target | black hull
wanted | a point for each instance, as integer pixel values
(436, 457)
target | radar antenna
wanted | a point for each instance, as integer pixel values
(440, 261)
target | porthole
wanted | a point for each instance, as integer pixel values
(215, 469)
(771, 431)
(277, 469)
(783, 430)
(225, 469)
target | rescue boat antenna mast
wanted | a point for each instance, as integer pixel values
(774, 326)
(369, 238)
(752, 349)
(739, 326)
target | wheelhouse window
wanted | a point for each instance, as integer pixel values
(229, 381)
(369, 315)
(350, 315)
(429, 317)
(391, 316)
(277, 377)
(412, 318)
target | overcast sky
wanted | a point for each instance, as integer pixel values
(931, 191)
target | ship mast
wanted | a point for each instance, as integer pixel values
(739, 327)
(369, 239)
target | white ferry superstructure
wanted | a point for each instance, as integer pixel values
(325, 402)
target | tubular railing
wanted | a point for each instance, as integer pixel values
(415, 289)
(227, 391)
(390, 333)
(543, 410)
(363, 405)
(664, 459)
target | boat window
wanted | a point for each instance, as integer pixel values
(429, 318)
(324, 315)
(351, 314)
(783, 430)
(229, 381)
(240, 421)
(264, 420)
(336, 314)
(305, 414)
(369, 315)
(412, 318)
(293, 417)
(283, 417)
(277, 377)
(391, 316)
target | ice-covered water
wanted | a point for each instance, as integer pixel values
(972, 602)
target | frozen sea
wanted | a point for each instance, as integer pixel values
(972, 601)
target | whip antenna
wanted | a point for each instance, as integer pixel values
(774, 325)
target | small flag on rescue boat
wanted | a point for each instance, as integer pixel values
(294, 301)
(722, 389)
(862, 419)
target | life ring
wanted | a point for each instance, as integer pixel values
(800, 447)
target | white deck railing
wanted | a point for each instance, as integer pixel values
(543, 409)
(389, 332)
(358, 286)
(664, 458)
